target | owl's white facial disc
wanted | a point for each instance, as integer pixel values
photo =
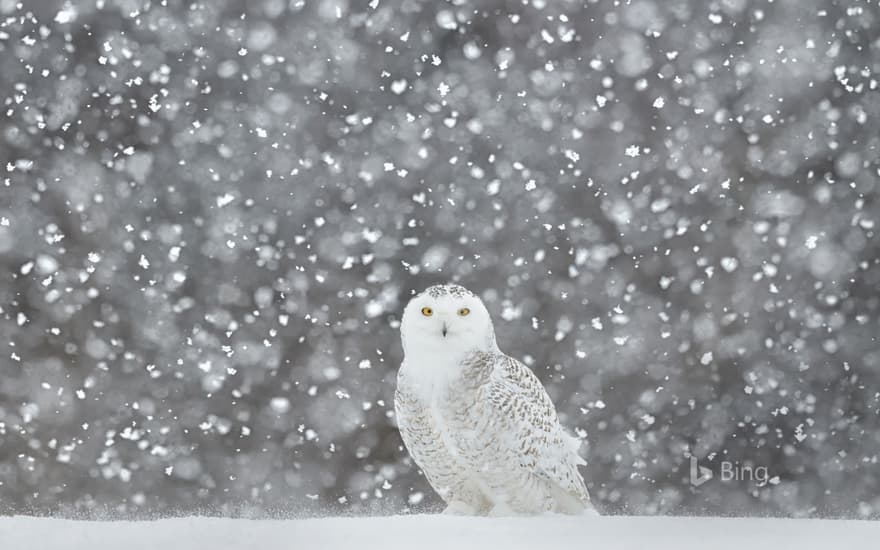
(446, 321)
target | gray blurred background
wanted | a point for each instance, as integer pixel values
(212, 214)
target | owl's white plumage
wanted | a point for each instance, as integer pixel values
(477, 422)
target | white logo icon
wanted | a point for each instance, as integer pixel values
(699, 474)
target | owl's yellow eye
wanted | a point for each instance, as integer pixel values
(427, 312)
(463, 311)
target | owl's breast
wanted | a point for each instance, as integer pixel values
(469, 428)
(434, 377)
(453, 391)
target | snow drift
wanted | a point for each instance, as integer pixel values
(428, 532)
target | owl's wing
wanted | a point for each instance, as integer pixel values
(424, 441)
(544, 447)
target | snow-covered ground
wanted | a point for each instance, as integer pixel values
(428, 532)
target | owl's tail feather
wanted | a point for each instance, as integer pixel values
(575, 446)
(565, 502)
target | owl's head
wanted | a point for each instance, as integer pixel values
(447, 319)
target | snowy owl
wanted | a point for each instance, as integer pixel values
(477, 422)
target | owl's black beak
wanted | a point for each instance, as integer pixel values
(444, 330)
